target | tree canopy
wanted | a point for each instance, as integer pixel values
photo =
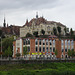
(59, 30)
(42, 31)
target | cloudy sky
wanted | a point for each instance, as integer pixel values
(17, 11)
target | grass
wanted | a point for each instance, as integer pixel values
(38, 69)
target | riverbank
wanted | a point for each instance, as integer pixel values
(38, 69)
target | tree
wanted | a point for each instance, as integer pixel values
(25, 51)
(29, 35)
(69, 53)
(0, 32)
(56, 52)
(7, 42)
(59, 30)
(18, 55)
(8, 52)
(65, 30)
(71, 31)
(54, 31)
(35, 34)
(42, 31)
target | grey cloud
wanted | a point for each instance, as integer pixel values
(27, 4)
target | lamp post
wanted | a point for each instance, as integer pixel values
(1, 47)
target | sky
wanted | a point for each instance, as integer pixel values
(17, 11)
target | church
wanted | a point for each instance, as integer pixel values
(8, 31)
(39, 23)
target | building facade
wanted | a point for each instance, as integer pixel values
(37, 24)
(43, 47)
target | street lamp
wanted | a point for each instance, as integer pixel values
(1, 47)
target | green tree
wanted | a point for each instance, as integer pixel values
(56, 52)
(35, 34)
(0, 32)
(42, 31)
(25, 52)
(29, 35)
(69, 53)
(7, 42)
(71, 31)
(8, 52)
(54, 31)
(18, 55)
(59, 30)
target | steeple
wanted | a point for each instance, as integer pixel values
(36, 15)
(4, 24)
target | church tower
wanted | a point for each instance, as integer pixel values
(4, 24)
(36, 15)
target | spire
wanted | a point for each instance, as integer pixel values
(36, 15)
(4, 24)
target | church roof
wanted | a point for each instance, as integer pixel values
(40, 20)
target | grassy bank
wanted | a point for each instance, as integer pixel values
(38, 69)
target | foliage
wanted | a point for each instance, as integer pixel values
(65, 30)
(38, 69)
(71, 53)
(8, 52)
(0, 32)
(56, 52)
(54, 31)
(18, 54)
(25, 50)
(59, 30)
(42, 31)
(7, 42)
(71, 31)
(35, 34)
(29, 35)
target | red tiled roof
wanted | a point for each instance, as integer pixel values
(41, 20)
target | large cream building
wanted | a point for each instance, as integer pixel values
(37, 24)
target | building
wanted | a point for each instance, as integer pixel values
(10, 30)
(37, 24)
(43, 47)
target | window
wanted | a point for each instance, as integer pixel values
(23, 42)
(68, 44)
(65, 45)
(36, 41)
(28, 41)
(36, 49)
(40, 42)
(72, 45)
(66, 50)
(50, 49)
(47, 42)
(62, 50)
(53, 49)
(62, 42)
(47, 49)
(43, 41)
(43, 49)
(39, 49)
(50, 42)
(28, 49)
(53, 42)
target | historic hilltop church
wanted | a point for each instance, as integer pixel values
(39, 23)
